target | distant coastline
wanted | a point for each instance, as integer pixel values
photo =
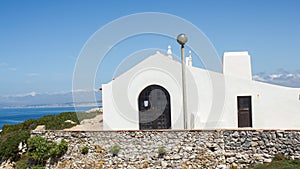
(56, 105)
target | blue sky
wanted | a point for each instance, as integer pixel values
(40, 40)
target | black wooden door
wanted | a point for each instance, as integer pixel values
(154, 108)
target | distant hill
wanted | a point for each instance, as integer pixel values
(51, 99)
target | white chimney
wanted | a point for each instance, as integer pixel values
(188, 60)
(169, 52)
(237, 64)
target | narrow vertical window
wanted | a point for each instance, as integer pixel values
(244, 111)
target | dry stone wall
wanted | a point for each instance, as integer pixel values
(184, 149)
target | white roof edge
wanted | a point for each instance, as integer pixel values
(236, 53)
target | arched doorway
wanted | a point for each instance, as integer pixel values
(154, 108)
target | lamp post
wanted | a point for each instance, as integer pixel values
(182, 39)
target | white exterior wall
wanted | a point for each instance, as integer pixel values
(276, 107)
(273, 106)
(211, 98)
(122, 93)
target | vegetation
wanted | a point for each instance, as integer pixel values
(52, 122)
(161, 151)
(57, 122)
(280, 157)
(90, 115)
(40, 150)
(22, 163)
(84, 150)
(279, 162)
(37, 167)
(12, 135)
(9, 146)
(59, 150)
(114, 150)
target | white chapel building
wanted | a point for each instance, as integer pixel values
(149, 96)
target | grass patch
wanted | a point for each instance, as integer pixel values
(114, 150)
(161, 151)
(84, 150)
(90, 115)
(57, 122)
(279, 162)
(22, 163)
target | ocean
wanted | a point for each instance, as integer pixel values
(17, 115)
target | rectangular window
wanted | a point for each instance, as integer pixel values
(244, 111)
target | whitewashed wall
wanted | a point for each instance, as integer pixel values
(211, 97)
(120, 97)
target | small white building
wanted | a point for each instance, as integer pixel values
(149, 96)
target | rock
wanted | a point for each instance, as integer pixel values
(243, 133)
(176, 157)
(235, 134)
(242, 140)
(70, 121)
(40, 128)
(254, 144)
(222, 166)
(230, 160)
(234, 166)
(239, 156)
(267, 155)
(246, 157)
(20, 146)
(7, 165)
(261, 143)
(188, 148)
(208, 144)
(192, 157)
(247, 144)
(267, 160)
(279, 134)
(167, 157)
(164, 164)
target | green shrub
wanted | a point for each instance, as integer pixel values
(279, 157)
(9, 145)
(161, 151)
(26, 125)
(114, 150)
(37, 167)
(40, 150)
(59, 150)
(84, 150)
(13, 134)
